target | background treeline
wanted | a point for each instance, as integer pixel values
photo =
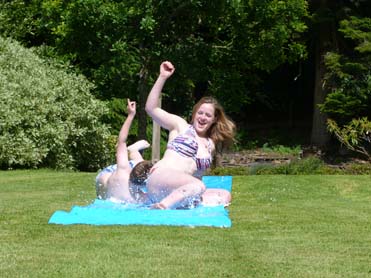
(299, 67)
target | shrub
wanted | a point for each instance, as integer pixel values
(230, 171)
(356, 135)
(310, 165)
(280, 149)
(358, 169)
(48, 115)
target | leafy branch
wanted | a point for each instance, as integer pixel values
(356, 135)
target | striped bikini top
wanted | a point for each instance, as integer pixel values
(186, 145)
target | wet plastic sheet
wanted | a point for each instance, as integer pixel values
(103, 212)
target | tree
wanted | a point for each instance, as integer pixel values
(49, 117)
(219, 47)
(327, 15)
(348, 80)
(324, 29)
(253, 39)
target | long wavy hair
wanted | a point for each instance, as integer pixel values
(223, 129)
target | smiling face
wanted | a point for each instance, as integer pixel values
(203, 118)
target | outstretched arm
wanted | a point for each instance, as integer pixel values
(164, 119)
(121, 151)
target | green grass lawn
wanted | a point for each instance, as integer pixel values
(282, 226)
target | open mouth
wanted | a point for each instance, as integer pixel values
(201, 124)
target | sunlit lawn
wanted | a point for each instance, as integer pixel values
(282, 226)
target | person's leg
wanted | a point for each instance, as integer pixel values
(169, 187)
(134, 149)
(216, 197)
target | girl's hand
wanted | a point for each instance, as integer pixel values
(166, 69)
(131, 107)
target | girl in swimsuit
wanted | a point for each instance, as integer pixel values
(113, 181)
(174, 180)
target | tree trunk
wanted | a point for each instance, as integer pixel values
(142, 97)
(324, 41)
(319, 136)
(142, 115)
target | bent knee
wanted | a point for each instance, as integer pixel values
(202, 187)
(225, 194)
(192, 189)
(213, 197)
(199, 187)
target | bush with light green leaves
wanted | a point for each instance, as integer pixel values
(48, 117)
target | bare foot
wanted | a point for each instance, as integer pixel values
(216, 197)
(158, 206)
(139, 145)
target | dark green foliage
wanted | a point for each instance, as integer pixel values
(254, 37)
(218, 46)
(18, 20)
(349, 82)
(48, 115)
(116, 114)
(348, 77)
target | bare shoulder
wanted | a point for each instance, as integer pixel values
(180, 127)
(178, 123)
